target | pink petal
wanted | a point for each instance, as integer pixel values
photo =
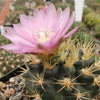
(51, 17)
(28, 23)
(62, 22)
(19, 52)
(41, 20)
(22, 31)
(45, 9)
(23, 19)
(25, 33)
(71, 21)
(35, 13)
(9, 29)
(29, 50)
(10, 47)
(18, 40)
(71, 32)
(33, 23)
(59, 12)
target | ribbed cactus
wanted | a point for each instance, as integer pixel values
(8, 60)
(72, 75)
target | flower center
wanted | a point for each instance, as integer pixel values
(45, 36)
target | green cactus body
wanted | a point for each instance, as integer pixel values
(76, 79)
(60, 83)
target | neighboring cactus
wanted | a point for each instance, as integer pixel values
(21, 8)
(94, 4)
(18, 9)
(81, 26)
(87, 10)
(19, 2)
(96, 32)
(73, 76)
(14, 16)
(63, 6)
(92, 19)
(82, 35)
(8, 60)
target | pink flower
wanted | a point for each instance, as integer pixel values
(41, 33)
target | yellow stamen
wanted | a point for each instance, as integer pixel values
(45, 36)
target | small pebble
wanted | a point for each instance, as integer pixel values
(11, 80)
(10, 85)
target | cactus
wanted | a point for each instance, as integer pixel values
(14, 16)
(73, 74)
(8, 60)
(87, 10)
(96, 32)
(19, 2)
(94, 4)
(92, 19)
(63, 6)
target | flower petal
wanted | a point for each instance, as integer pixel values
(59, 12)
(62, 22)
(45, 9)
(71, 21)
(51, 17)
(10, 47)
(35, 13)
(22, 31)
(71, 32)
(18, 40)
(27, 23)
